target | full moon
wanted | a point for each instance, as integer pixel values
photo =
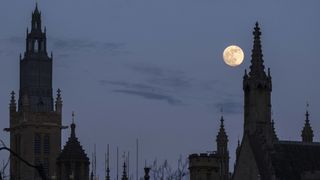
(233, 55)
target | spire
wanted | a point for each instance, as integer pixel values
(274, 134)
(13, 100)
(222, 139)
(257, 67)
(58, 102)
(59, 94)
(124, 173)
(222, 135)
(36, 19)
(307, 132)
(73, 127)
(107, 165)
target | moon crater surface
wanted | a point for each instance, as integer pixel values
(233, 55)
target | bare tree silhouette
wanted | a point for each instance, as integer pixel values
(165, 171)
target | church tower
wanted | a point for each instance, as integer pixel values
(222, 151)
(257, 94)
(35, 125)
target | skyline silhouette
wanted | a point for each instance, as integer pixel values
(165, 78)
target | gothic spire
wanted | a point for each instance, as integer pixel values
(257, 67)
(124, 173)
(13, 100)
(222, 139)
(307, 132)
(36, 19)
(107, 177)
(222, 135)
(73, 127)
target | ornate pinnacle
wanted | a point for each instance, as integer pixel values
(124, 175)
(222, 135)
(59, 99)
(73, 127)
(307, 132)
(257, 67)
(13, 99)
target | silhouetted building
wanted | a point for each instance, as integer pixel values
(212, 166)
(73, 161)
(35, 125)
(261, 155)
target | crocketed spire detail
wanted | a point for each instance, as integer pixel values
(257, 67)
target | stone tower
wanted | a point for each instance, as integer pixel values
(257, 94)
(73, 161)
(222, 151)
(253, 160)
(35, 126)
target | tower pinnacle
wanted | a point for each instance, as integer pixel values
(73, 127)
(257, 67)
(307, 132)
(124, 173)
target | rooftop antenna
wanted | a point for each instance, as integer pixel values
(73, 117)
(95, 161)
(117, 163)
(107, 169)
(137, 160)
(128, 165)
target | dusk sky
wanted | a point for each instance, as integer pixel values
(153, 70)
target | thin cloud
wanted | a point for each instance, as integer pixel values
(152, 96)
(111, 48)
(123, 84)
(163, 77)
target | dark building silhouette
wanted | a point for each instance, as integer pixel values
(35, 125)
(261, 154)
(73, 161)
(214, 165)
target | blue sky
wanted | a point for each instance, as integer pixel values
(153, 69)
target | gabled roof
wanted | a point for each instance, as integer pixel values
(292, 158)
(73, 150)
